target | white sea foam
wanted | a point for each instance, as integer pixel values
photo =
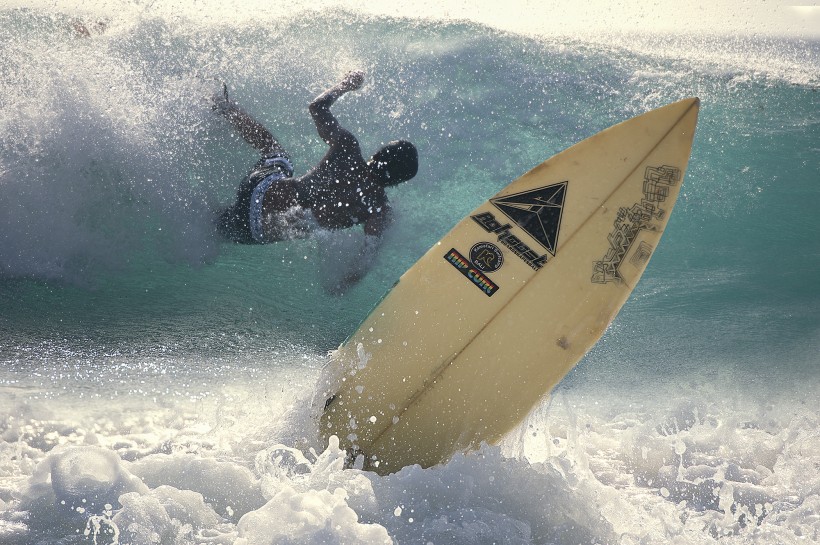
(593, 465)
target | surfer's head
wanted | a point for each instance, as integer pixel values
(396, 162)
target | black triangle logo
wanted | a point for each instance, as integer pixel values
(538, 212)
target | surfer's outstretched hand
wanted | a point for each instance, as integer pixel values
(352, 81)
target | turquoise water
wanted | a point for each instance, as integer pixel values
(118, 299)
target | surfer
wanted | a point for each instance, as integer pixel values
(342, 191)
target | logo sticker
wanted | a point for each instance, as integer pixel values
(486, 256)
(512, 242)
(538, 212)
(471, 272)
(631, 222)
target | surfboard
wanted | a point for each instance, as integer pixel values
(490, 319)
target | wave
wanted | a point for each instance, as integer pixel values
(113, 165)
(110, 157)
(155, 381)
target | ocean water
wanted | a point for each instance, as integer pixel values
(155, 383)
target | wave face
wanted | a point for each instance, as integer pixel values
(156, 381)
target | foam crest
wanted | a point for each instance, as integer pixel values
(593, 465)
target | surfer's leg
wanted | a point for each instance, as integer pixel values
(254, 133)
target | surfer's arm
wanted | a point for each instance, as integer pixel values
(377, 224)
(356, 269)
(326, 124)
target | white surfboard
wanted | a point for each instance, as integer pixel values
(491, 318)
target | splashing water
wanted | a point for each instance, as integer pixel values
(156, 382)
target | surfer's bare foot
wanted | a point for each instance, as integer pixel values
(220, 102)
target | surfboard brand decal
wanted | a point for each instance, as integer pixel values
(629, 222)
(471, 272)
(486, 256)
(513, 243)
(537, 211)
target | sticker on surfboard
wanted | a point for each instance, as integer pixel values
(537, 211)
(632, 225)
(471, 271)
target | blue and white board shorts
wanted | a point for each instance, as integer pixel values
(242, 222)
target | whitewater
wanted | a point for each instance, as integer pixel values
(156, 382)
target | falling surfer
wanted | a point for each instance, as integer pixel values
(341, 191)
